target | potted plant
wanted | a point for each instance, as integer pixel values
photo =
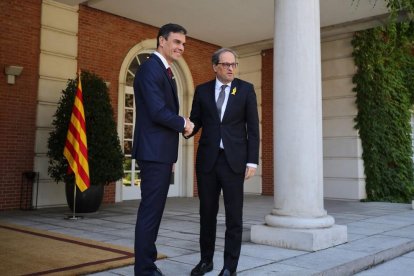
(104, 150)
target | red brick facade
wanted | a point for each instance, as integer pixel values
(19, 45)
(102, 48)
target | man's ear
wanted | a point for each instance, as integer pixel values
(161, 41)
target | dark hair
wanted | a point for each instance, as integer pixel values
(215, 59)
(169, 28)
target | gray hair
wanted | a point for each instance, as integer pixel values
(215, 59)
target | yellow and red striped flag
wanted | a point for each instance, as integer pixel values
(76, 147)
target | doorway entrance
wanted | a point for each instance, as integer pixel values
(131, 182)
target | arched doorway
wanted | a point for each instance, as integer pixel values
(182, 181)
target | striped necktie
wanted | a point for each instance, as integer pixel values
(220, 99)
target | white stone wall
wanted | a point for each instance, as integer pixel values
(343, 166)
(57, 64)
(342, 151)
(250, 69)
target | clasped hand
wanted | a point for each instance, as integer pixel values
(189, 127)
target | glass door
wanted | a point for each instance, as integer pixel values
(131, 182)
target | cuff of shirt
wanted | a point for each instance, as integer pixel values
(252, 165)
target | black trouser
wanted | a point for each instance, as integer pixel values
(210, 185)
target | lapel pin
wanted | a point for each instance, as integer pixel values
(234, 91)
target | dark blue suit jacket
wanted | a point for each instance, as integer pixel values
(239, 128)
(157, 122)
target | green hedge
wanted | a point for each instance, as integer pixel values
(385, 96)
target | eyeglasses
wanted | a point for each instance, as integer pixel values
(227, 65)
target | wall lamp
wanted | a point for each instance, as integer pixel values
(11, 71)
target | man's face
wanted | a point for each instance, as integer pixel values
(173, 47)
(226, 67)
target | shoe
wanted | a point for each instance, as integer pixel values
(202, 268)
(226, 272)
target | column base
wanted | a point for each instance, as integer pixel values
(299, 239)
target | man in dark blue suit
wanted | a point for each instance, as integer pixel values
(228, 153)
(156, 137)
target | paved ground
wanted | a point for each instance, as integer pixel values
(377, 233)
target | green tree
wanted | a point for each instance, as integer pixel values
(104, 149)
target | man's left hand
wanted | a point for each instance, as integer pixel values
(250, 171)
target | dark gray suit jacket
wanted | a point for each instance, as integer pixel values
(239, 128)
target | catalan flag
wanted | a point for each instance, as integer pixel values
(76, 147)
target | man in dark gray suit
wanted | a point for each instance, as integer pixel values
(228, 153)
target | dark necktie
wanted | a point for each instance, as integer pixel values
(170, 74)
(220, 100)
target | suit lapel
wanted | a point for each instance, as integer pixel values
(230, 100)
(174, 88)
(212, 98)
(171, 81)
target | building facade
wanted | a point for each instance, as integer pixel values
(51, 40)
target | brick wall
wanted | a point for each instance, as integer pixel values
(101, 49)
(19, 45)
(109, 194)
(105, 40)
(267, 122)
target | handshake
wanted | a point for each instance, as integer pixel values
(189, 127)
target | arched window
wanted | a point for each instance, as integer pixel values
(131, 170)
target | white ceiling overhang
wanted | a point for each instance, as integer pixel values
(233, 23)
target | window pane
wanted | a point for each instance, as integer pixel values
(129, 114)
(133, 67)
(127, 163)
(137, 179)
(129, 100)
(130, 79)
(127, 179)
(128, 131)
(127, 147)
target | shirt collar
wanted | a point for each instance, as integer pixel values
(164, 61)
(219, 84)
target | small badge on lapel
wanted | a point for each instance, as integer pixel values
(234, 91)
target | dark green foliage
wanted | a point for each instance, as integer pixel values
(395, 7)
(401, 6)
(104, 149)
(385, 96)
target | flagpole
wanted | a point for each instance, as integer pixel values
(74, 217)
(74, 201)
(76, 147)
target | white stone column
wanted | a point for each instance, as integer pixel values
(298, 219)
